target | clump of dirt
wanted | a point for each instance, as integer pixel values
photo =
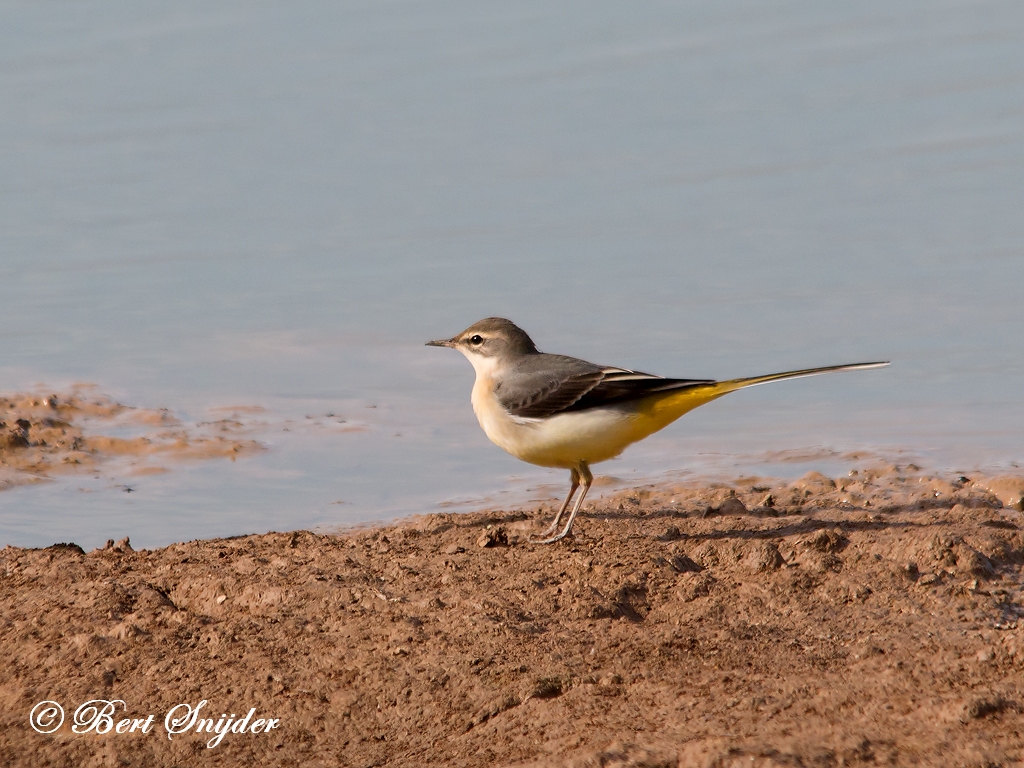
(876, 619)
(44, 435)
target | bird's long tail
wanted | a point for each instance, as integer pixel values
(669, 407)
(733, 384)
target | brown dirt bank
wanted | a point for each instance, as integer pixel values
(876, 620)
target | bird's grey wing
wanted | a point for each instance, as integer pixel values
(544, 385)
(619, 385)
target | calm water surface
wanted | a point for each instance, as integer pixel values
(276, 205)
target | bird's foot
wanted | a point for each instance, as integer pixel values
(550, 540)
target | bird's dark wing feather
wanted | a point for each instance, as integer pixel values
(622, 386)
(544, 385)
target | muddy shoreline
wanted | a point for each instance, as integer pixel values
(43, 435)
(876, 619)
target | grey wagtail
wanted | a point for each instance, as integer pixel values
(557, 411)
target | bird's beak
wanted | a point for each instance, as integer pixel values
(441, 343)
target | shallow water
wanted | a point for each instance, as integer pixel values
(264, 205)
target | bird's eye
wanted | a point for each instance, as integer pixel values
(476, 340)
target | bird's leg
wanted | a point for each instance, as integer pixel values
(587, 479)
(574, 480)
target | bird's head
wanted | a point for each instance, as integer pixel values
(490, 342)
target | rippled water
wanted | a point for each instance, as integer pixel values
(276, 205)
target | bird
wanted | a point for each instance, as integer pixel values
(559, 411)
